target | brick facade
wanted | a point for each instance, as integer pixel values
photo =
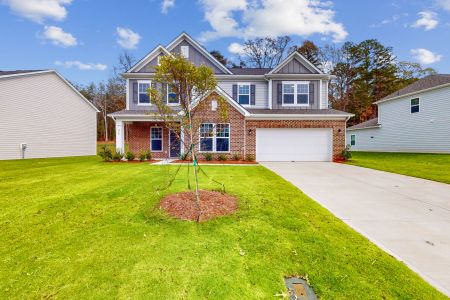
(242, 132)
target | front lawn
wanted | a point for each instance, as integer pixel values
(82, 229)
(428, 166)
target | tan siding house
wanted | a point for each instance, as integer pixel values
(42, 115)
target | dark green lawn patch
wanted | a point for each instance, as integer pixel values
(428, 166)
(82, 229)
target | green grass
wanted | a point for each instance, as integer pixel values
(428, 166)
(82, 229)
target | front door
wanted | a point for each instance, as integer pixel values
(174, 144)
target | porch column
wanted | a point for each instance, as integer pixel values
(120, 144)
(182, 145)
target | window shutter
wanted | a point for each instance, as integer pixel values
(135, 92)
(311, 93)
(252, 94)
(235, 92)
(279, 93)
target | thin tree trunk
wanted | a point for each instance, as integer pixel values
(194, 161)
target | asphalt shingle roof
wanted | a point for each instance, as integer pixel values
(3, 73)
(250, 71)
(366, 124)
(422, 84)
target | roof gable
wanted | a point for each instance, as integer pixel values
(149, 61)
(199, 55)
(295, 63)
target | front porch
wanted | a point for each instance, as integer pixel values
(150, 136)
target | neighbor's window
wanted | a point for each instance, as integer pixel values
(415, 105)
(352, 140)
(156, 138)
(214, 137)
(172, 97)
(296, 93)
(244, 94)
(143, 97)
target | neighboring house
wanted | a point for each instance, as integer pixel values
(43, 115)
(414, 119)
(279, 114)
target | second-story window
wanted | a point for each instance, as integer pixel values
(415, 105)
(244, 94)
(185, 51)
(143, 97)
(296, 93)
(172, 97)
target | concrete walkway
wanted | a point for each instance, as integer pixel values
(405, 216)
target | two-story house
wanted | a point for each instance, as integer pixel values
(413, 119)
(279, 114)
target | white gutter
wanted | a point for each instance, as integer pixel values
(28, 73)
(370, 127)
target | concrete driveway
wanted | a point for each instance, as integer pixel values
(407, 217)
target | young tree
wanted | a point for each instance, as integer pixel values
(191, 86)
(266, 52)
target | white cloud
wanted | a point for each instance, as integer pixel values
(39, 10)
(428, 20)
(259, 18)
(236, 48)
(128, 39)
(58, 37)
(166, 5)
(445, 4)
(390, 20)
(425, 56)
(81, 66)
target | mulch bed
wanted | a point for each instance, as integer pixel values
(212, 205)
(221, 162)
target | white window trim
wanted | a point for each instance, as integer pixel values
(249, 94)
(354, 138)
(149, 82)
(187, 51)
(411, 105)
(214, 137)
(162, 139)
(167, 98)
(295, 83)
(158, 58)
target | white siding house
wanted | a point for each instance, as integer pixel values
(42, 115)
(415, 119)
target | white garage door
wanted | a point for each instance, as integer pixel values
(293, 144)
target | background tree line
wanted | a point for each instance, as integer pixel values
(364, 73)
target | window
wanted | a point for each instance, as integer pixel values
(143, 97)
(352, 140)
(158, 60)
(185, 51)
(214, 137)
(172, 97)
(206, 137)
(156, 139)
(296, 93)
(415, 105)
(244, 94)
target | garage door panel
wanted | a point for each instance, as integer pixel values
(293, 144)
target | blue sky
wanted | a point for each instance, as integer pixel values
(83, 38)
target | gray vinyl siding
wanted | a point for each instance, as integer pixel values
(401, 131)
(261, 91)
(150, 67)
(196, 57)
(314, 105)
(44, 112)
(294, 67)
